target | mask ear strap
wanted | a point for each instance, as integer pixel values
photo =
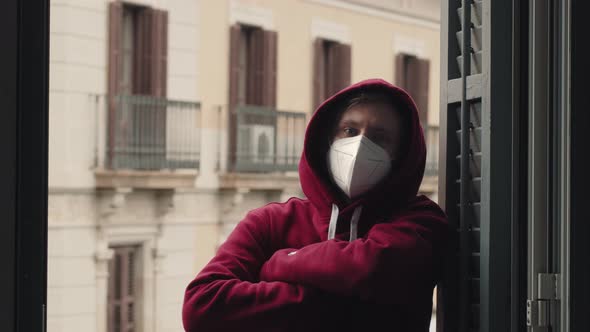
(333, 222)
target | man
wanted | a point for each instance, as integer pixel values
(363, 251)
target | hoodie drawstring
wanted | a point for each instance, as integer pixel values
(353, 222)
(333, 222)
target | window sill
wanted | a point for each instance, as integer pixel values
(260, 181)
(145, 179)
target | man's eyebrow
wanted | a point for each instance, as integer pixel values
(349, 122)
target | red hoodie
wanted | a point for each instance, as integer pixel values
(278, 272)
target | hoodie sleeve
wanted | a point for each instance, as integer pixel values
(227, 295)
(392, 264)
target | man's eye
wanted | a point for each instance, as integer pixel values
(350, 131)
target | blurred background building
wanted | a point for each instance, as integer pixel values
(170, 119)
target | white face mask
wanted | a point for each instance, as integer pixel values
(357, 164)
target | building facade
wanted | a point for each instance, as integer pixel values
(119, 254)
(170, 119)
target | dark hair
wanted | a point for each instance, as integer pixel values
(369, 97)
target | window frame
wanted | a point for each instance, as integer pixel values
(23, 195)
(148, 269)
(125, 298)
(579, 177)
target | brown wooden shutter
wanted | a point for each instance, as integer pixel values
(343, 53)
(259, 55)
(411, 76)
(113, 294)
(421, 94)
(157, 67)
(270, 69)
(150, 79)
(416, 83)
(331, 68)
(400, 70)
(159, 60)
(115, 22)
(234, 65)
(256, 67)
(234, 81)
(150, 52)
(338, 69)
(142, 52)
(114, 59)
(121, 292)
(318, 83)
(252, 68)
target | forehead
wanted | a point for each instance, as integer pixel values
(369, 113)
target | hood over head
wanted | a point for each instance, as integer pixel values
(399, 187)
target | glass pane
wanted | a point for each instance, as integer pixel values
(144, 187)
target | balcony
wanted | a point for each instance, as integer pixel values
(151, 142)
(147, 142)
(266, 140)
(151, 133)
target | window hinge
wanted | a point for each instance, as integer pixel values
(538, 310)
(537, 313)
(548, 286)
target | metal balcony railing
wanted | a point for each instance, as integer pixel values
(432, 142)
(152, 133)
(267, 140)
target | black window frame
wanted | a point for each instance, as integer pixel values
(579, 267)
(24, 64)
